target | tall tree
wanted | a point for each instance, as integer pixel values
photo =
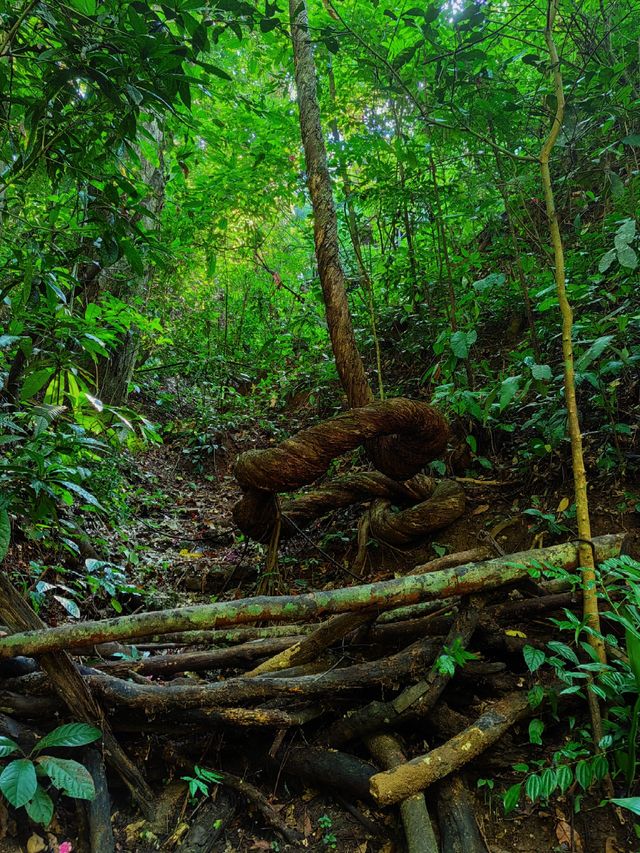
(348, 360)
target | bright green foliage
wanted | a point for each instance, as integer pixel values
(22, 780)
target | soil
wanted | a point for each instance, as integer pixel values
(181, 548)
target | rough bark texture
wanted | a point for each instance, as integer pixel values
(415, 817)
(416, 775)
(385, 594)
(348, 362)
(400, 435)
(74, 693)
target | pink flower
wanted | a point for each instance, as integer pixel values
(65, 847)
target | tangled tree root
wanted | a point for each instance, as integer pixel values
(400, 437)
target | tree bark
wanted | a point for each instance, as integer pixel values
(460, 580)
(348, 361)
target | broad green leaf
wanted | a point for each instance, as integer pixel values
(461, 343)
(630, 803)
(625, 233)
(35, 382)
(549, 782)
(534, 658)
(584, 774)
(18, 781)
(7, 746)
(86, 7)
(627, 257)
(633, 652)
(564, 776)
(40, 807)
(606, 260)
(595, 350)
(69, 776)
(533, 787)
(71, 734)
(633, 139)
(536, 727)
(83, 493)
(508, 390)
(510, 798)
(541, 371)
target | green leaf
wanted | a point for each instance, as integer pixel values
(71, 734)
(536, 727)
(461, 342)
(69, 776)
(595, 350)
(633, 651)
(5, 533)
(40, 807)
(86, 7)
(18, 781)
(584, 774)
(534, 658)
(83, 493)
(508, 390)
(35, 382)
(549, 782)
(564, 651)
(541, 371)
(627, 258)
(535, 696)
(630, 803)
(625, 233)
(7, 746)
(564, 777)
(634, 140)
(606, 260)
(510, 798)
(533, 787)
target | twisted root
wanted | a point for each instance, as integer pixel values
(400, 437)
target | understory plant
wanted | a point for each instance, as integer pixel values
(27, 779)
(580, 763)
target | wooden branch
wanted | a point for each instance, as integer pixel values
(74, 693)
(413, 701)
(156, 698)
(310, 647)
(385, 594)
(415, 817)
(416, 775)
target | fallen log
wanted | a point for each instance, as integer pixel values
(413, 701)
(156, 698)
(415, 817)
(394, 785)
(335, 770)
(98, 810)
(75, 694)
(458, 826)
(167, 665)
(460, 580)
(310, 647)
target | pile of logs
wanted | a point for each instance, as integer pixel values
(329, 678)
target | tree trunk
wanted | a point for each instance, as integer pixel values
(348, 361)
(115, 373)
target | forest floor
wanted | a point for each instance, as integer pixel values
(181, 547)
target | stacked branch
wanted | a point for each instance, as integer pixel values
(352, 681)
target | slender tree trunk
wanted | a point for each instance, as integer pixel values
(502, 187)
(348, 361)
(117, 371)
(352, 222)
(579, 474)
